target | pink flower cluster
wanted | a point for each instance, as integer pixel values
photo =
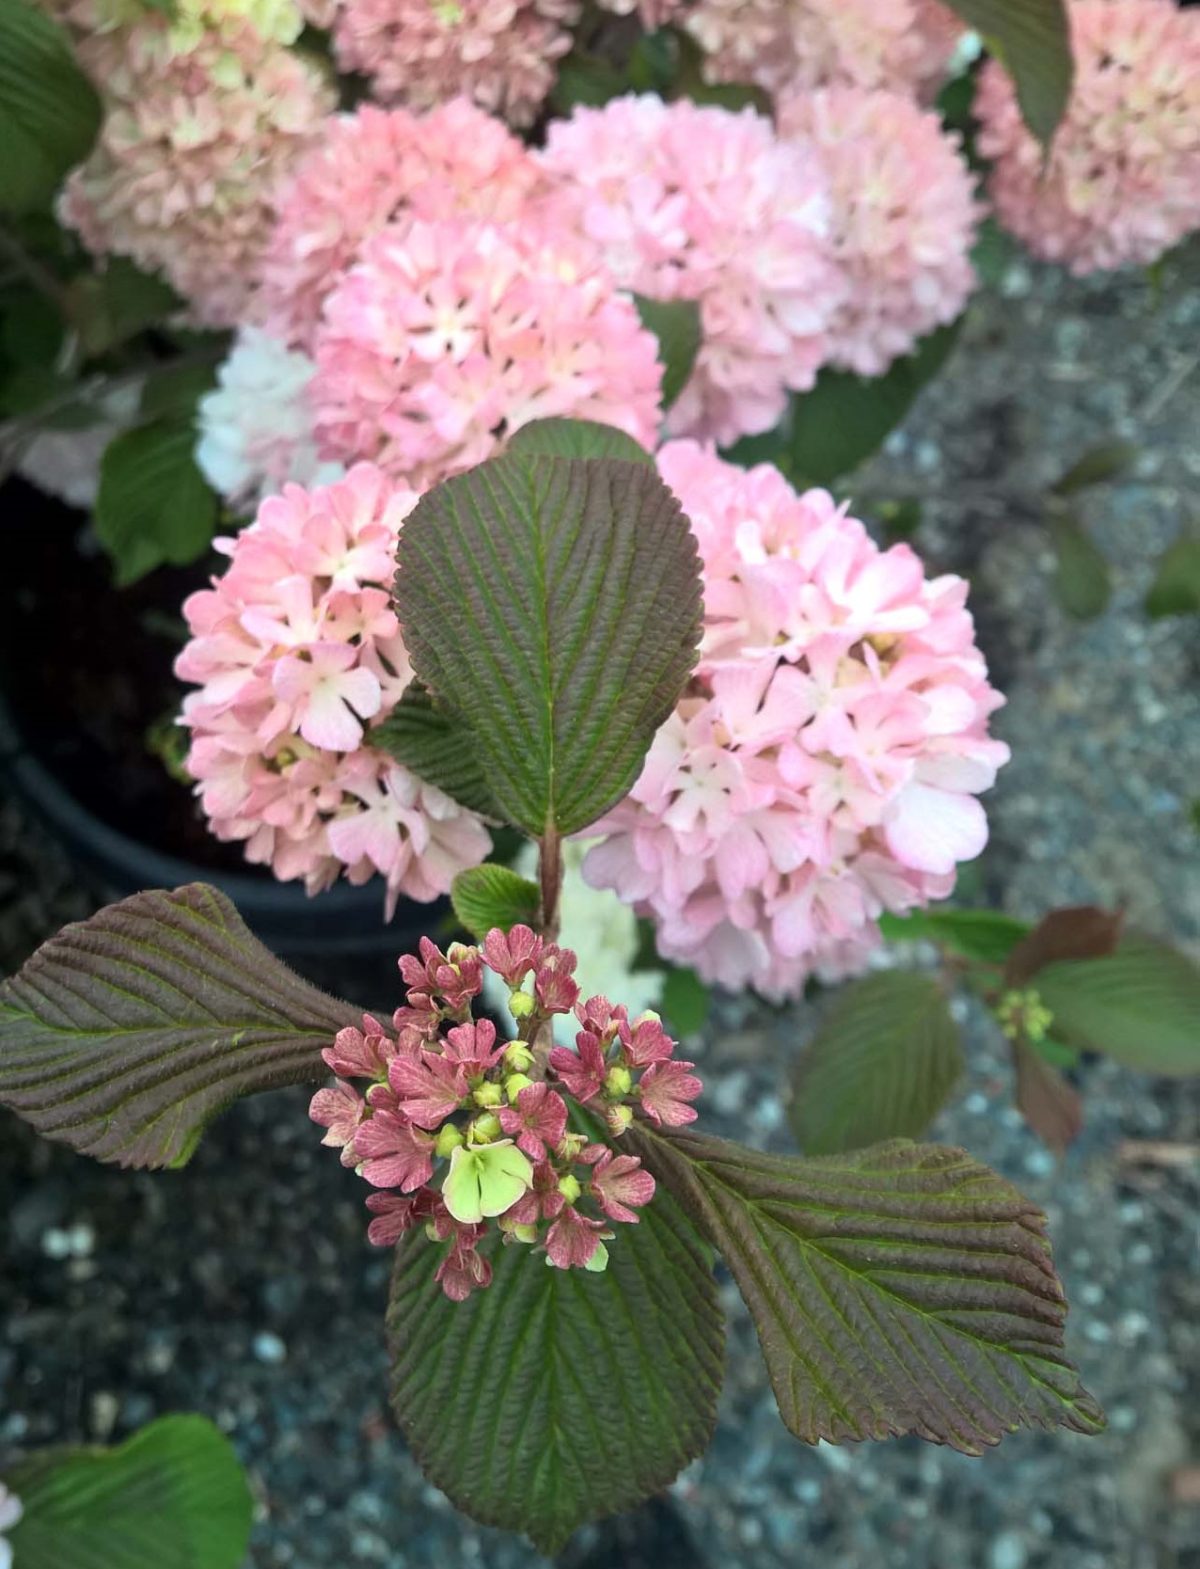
(377, 168)
(1122, 184)
(448, 336)
(296, 651)
(903, 218)
(502, 54)
(824, 765)
(194, 142)
(456, 1128)
(697, 203)
(795, 45)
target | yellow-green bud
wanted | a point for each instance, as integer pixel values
(618, 1081)
(598, 1262)
(1024, 1013)
(518, 1056)
(569, 1188)
(571, 1145)
(517, 1231)
(515, 1083)
(618, 1119)
(488, 1094)
(484, 1128)
(649, 1017)
(448, 1140)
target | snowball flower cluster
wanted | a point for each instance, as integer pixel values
(795, 45)
(296, 651)
(184, 23)
(903, 218)
(448, 336)
(192, 146)
(1122, 183)
(456, 1128)
(502, 54)
(11, 1511)
(824, 765)
(688, 202)
(379, 167)
(256, 427)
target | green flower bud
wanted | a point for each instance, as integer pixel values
(488, 1094)
(618, 1081)
(571, 1145)
(448, 1140)
(618, 1119)
(515, 1083)
(521, 1005)
(569, 1188)
(518, 1056)
(598, 1262)
(517, 1231)
(486, 1181)
(484, 1128)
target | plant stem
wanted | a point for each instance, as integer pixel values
(36, 272)
(550, 875)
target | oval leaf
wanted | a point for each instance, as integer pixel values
(487, 896)
(1049, 1103)
(554, 604)
(1032, 40)
(172, 1497)
(983, 935)
(556, 1396)
(1081, 931)
(1176, 587)
(437, 746)
(577, 438)
(881, 1065)
(125, 1034)
(903, 1289)
(676, 325)
(153, 505)
(49, 111)
(1140, 1005)
(1081, 580)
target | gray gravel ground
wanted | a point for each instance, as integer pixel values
(242, 1286)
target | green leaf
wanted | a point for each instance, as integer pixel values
(125, 1035)
(556, 1396)
(576, 438)
(554, 604)
(438, 747)
(676, 325)
(154, 505)
(174, 388)
(586, 79)
(108, 307)
(845, 419)
(882, 1064)
(487, 896)
(49, 111)
(686, 1002)
(1176, 587)
(983, 935)
(173, 1497)
(1097, 466)
(1141, 1005)
(1032, 40)
(1081, 580)
(902, 1289)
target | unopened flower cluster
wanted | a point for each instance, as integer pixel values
(297, 651)
(1122, 181)
(825, 763)
(457, 1127)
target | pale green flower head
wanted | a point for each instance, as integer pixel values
(486, 1179)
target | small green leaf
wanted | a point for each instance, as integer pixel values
(108, 307)
(1032, 40)
(576, 438)
(49, 111)
(1081, 580)
(882, 1064)
(1097, 466)
(557, 1396)
(1176, 587)
(154, 505)
(1140, 1005)
(554, 604)
(173, 1497)
(901, 1289)
(676, 325)
(983, 935)
(438, 747)
(845, 419)
(125, 1035)
(686, 1002)
(487, 896)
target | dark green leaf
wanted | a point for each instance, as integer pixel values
(175, 388)
(983, 935)
(1050, 1105)
(487, 896)
(993, 253)
(686, 1002)
(586, 79)
(1176, 587)
(1141, 1005)
(1081, 579)
(49, 111)
(902, 1289)
(1083, 931)
(881, 1065)
(845, 419)
(125, 1035)
(110, 306)
(154, 505)
(172, 1497)
(555, 1396)
(438, 747)
(676, 325)
(554, 604)
(1032, 39)
(1097, 466)
(576, 438)
(31, 329)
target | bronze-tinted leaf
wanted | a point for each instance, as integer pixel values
(1050, 1103)
(1083, 931)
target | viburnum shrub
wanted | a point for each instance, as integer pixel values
(543, 1176)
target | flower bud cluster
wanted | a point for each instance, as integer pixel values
(456, 1127)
